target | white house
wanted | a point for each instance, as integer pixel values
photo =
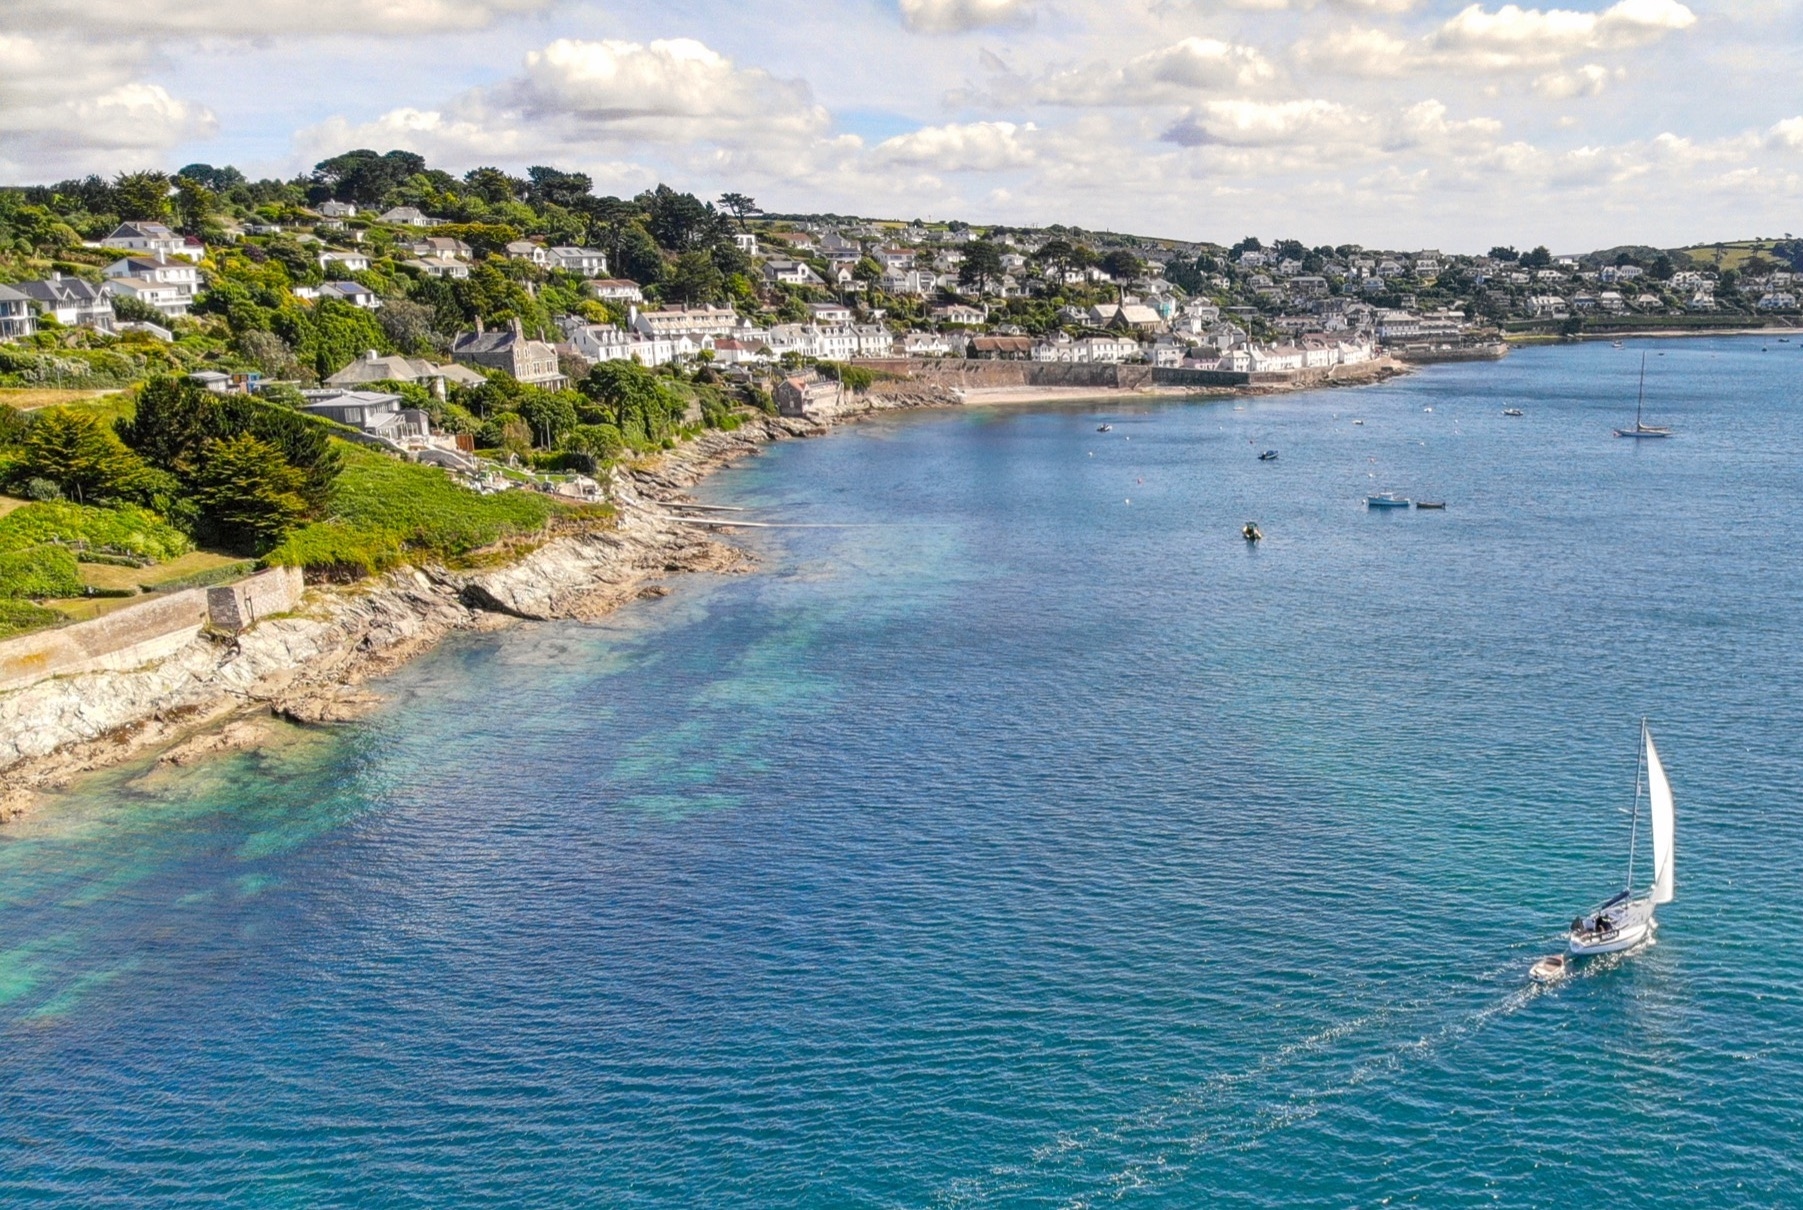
(525, 249)
(338, 210)
(732, 351)
(442, 246)
(179, 275)
(153, 239)
(1107, 349)
(589, 262)
(71, 301)
(791, 273)
(352, 293)
(874, 340)
(745, 242)
(343, 262)
(909, 281)
(829, 313)
(1398, 325)
(1777, 301)
(165, 298)
(615, 289)
(407, 216)
(925, 344)
(18, 318)
(440, 266)
(696, 322)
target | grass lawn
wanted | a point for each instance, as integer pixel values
(106, 575)
(27, 398)
(83, 609)
(8, 503)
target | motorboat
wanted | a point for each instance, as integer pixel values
(1639, 429)
(1512, 412)
(1439, 504)
(1104, 428)
(1626, 919)
(1387, 500)
(1251, 532)
(1615, 344)
(1358, 423)
(1549, 969)
(1268, 456)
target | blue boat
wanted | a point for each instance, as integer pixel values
(1387, 500)
(1268, 456)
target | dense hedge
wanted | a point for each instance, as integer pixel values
(125, 529)
(38, 572)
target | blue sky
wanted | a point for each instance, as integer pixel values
(1398, 123)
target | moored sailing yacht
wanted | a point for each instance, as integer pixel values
(1639, 429)
(1626, 920)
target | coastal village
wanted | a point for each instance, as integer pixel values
(219, 391)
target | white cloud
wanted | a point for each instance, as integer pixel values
(959, 16)
(113, 19)
(1514, 37)
(967, 147)
(1586, 81)
(1787, 134)
(1201, 63)
(74, 106)
(1507, 39)
(1243, 123)
(1168, 75)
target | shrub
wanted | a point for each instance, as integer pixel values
(22, 617)
(126, 529)
(39, 571)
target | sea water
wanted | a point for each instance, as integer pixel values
(1026, 838)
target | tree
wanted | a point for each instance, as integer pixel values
(632, 399)
(982, 265)
(1663, 269)
(85, 459)
(552, 187)
(1539, 258)
(411, 326)
(1123, 266)
(739, 206)
(548, 414)
(342, 332)
(141, 196)
(268, 352)
(194, 204)
(695, 278)
(867, 271)
(217, 179)
(248, 494)
(679, 221)
(493, 186)
(638, 257)
(364, 177)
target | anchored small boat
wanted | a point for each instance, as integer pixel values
(1512, 411)
(1251, 532)
(1639, 429)
(1268, 456)
(1626, 920)
(1549, 969)
(1104, 428)
(1439, 504)
(1387, 500)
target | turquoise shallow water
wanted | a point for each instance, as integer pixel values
(1034, 843)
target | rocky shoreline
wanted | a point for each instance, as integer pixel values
(218, 694)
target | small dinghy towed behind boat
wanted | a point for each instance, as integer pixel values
(1625, 920)
(1549, 969)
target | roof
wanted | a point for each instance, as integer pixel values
(141, 231)
(7, 294)
(67, 289)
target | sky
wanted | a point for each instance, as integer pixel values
(1406, 124)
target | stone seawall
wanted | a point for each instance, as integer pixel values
(122, 639)
(235, 607)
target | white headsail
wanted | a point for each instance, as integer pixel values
(1659, 793)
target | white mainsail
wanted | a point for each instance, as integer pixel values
(1659, 794)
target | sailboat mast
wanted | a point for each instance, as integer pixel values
(1634, 828)
(1638, 404)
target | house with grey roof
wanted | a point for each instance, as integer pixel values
(590, 262)
(151, 239)
(179, 275)
(374, 367)
(509, 349)
(407, 216)
(354, 293)
(70, 301)
(18, 318)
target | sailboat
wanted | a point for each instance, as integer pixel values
(1639, 429)
(1626, 920)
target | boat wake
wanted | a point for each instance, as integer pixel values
(1231, 1112)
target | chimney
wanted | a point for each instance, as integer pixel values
(478, 325)
(369, 355)
(519, 329)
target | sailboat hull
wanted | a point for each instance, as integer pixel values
(1629, 925)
